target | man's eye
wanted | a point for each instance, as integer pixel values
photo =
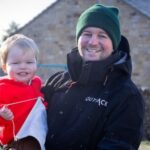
(102, 36)
(86, 34)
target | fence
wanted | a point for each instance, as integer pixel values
(46, 70)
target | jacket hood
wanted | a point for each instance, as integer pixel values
(125, 62)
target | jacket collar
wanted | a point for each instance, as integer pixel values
(92, 72)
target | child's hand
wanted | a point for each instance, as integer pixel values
(6, 113)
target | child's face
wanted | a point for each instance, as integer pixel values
(21, 65)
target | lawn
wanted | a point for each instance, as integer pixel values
(145, 145)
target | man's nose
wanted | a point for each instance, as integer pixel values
(94, 40)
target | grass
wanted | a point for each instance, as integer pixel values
(145, 145)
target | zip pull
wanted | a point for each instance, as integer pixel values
(105, 80)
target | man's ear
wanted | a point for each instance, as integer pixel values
(4, 68)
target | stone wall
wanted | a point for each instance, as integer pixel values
(146, 94)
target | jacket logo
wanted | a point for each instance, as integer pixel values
(99, 101)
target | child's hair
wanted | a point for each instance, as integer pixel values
(19, 40)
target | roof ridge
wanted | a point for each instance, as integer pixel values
(136, 4)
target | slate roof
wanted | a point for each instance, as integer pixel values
(141, 5)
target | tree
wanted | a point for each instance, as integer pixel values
(13, 27)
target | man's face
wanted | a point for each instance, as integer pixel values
(94, 44)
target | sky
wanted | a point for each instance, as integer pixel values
(20, 11)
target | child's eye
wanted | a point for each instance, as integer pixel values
(15, 63)
(30, 62)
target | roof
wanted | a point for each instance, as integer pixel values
(141, 5)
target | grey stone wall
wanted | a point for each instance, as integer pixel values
(146, 95)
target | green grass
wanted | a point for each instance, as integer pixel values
(145, 145)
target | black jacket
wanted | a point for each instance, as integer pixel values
(94, 105)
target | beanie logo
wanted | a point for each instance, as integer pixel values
(99, 101)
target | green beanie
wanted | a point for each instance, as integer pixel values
(103, 17)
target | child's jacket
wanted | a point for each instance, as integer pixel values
(20, 98)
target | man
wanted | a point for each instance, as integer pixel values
(95, 104)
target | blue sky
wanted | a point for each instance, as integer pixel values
(20, 11)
